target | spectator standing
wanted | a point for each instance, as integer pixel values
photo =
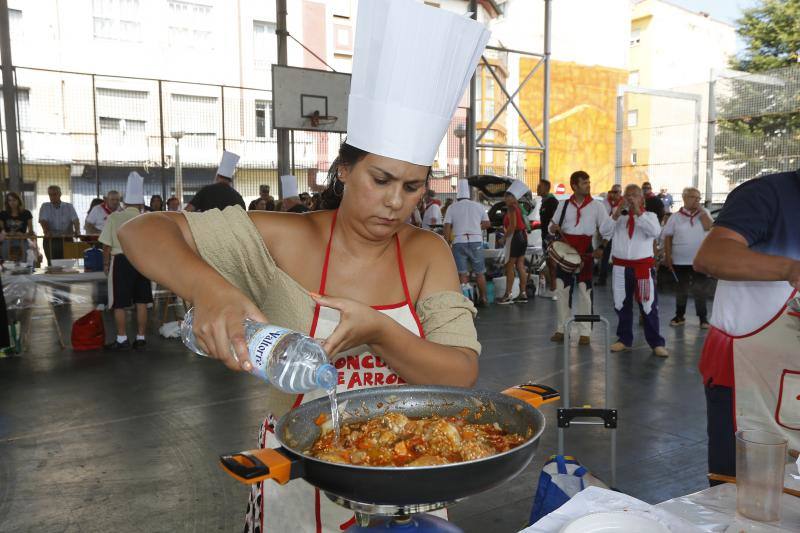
(610, 202)
(98, 214)
(516, 236)
(651, 202)
(156, 203)
(290, 201)
(263, 194)
(17, 222)
(683, 234)
(432, 213)
(464, 223)
(173, 204)
(221, 193)
(126, 286)
(666, 199)
(59, 222)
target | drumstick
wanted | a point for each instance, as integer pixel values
(731, 479)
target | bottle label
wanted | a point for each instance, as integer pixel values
(261, 345)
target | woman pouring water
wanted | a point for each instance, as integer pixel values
(383, 295)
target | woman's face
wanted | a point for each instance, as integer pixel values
(381, 192)
(13, 202)
(156, 204)
(509, 199)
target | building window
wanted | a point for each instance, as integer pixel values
(119, 20)
(122, 126)
(343, 39)
(634, 157)
(633, 118)
(341, 8)
(198, 115)
(263, 119)
(636, 37)
(191, 25)
(15, 27)
(633, 78)
(265, 45)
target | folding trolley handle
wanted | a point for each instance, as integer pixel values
(606, 417)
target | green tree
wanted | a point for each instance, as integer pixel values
(759, 114)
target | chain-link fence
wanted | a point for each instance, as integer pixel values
(712, 135)
(87, 132)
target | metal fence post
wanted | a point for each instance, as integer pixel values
(711, 139)
(222, 102)
(161, 132)
(96, 142)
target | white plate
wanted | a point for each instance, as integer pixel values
(614, 522)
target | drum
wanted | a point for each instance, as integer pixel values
(565, 256)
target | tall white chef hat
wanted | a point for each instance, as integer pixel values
(134, 191)
(288, 186)
(463, 189)
(228, 164)
(411, 65)
(517, 189)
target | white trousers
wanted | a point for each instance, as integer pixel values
(582, 306)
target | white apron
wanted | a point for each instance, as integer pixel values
(765, 354)
(299, 506)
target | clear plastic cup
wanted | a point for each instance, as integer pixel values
(760, 463)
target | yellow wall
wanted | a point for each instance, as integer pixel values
(582, 121)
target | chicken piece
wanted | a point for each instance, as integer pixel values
(474, 449)
(442, 438)
(428, 460)
(358, 457)
(331, 457)
(394, 422)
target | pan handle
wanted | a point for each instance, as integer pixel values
(533, 394)
(253, 466)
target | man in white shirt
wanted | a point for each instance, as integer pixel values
(575, 222)
(610, 202)
(632, 231)
(683, 234)
(464, 223)
(432, 216)
(96, 218)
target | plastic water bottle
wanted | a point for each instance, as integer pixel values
(289, 360)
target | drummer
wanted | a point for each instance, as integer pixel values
(575, 222)
(383, 295)
(632, 230)
(750, 364)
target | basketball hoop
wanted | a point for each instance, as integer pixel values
(315, 120)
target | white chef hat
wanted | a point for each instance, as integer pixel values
(228, 164)
(463, 189)
(411, 65)
(288, 186)
(134, 191)
(517, 189)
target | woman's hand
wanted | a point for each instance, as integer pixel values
(219, 314)
(358, 324)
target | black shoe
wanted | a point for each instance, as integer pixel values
(677, 321)
(521, 299)
(118, 346)
(139, 344)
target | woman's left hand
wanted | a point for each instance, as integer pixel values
(358, 324)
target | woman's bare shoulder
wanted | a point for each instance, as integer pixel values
(428, 261)
(278, 228)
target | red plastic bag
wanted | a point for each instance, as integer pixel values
(88, 332)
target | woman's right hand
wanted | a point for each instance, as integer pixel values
(219, 315)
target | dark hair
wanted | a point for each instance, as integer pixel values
(159, 199)
(545, 184)
(12, 194)
(577, 176)
(95, 202)
(348, 156)
(647, 184)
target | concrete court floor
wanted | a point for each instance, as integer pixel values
(98, 441)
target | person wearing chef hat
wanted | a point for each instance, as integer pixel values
(221, 193)
(291, 202)
(516, 236)
(464, 223)
(383, 296)
(126, 286)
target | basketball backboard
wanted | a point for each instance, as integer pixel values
(309, 99)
